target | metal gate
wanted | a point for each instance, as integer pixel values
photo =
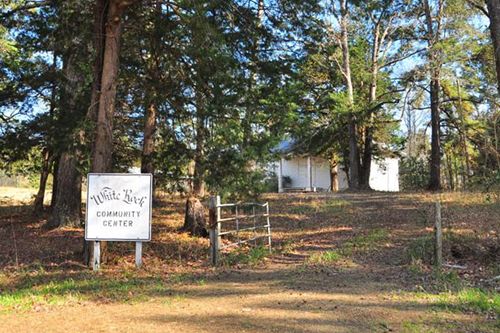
(234, 224)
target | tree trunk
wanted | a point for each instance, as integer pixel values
(352, 131)
(67, 208)
(103, 144)
(199, 155)
(194, 220)
(249, 116)
(100, 16)
(44, 174)
(367, 155)
(494, 13)
(198, 182)
(55, 170)
(368, 144)
(495, 116)
(451, 176)
(353, 154)
(334, 178)
(148, 147)
(435, 172)
(67, 204)
(367, 159)
(463, 139)
(47, 153)
(433, 37)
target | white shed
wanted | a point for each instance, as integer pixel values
(314, 173)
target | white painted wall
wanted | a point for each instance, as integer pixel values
(296, 169)
(320, 173)
(384, 175)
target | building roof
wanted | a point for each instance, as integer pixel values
(285, 147)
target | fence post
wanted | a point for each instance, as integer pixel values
(438, 237)
(254, 226)
(218, 217)
(213, 221)
(237, 224)
(268, 227)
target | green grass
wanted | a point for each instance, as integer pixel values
(417, 327)
(438, 324)
(471, 299)
(432, 325)
(323, 258)
(86, 286)
(253, 256)
(465, 300)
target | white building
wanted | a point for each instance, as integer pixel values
(310, 173)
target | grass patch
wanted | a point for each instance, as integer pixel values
(471, 300)
(437, 324)
(334, 206)
(180, 278)
(324, 258)
(446, 281)
(421, 250)
(456, 246)
(417, 327)
(253, 256)
(84, 287)
(365, 243)
(285, 247)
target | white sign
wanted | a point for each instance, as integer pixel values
(119, 207)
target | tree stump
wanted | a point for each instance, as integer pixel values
(194, 220)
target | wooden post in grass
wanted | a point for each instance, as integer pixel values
(214, 229)
(438, 230)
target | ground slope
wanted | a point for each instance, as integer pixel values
(341, 263)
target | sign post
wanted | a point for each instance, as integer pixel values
(97, 256)
(138, 254)
(119, 208)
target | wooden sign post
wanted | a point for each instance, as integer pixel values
(119, 208)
